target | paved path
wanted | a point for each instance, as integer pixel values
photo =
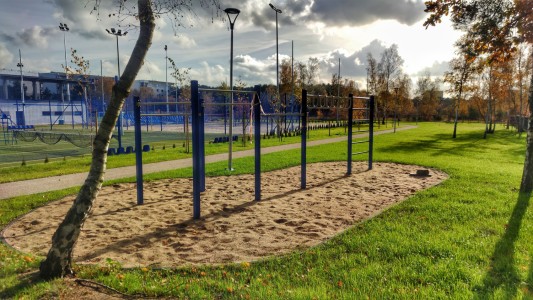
(33, 186)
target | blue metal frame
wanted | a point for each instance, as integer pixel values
(138, 149)
(371, 132)
(196, 151)
(370, 117)
(350, 131)
(304, 141)
(257, 141)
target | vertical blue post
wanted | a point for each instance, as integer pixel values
(257, 142)
(196, 161)
(303, 149)
(138, 149)
(201, 125)
(119, 122)
(350, 131)
(371, 104)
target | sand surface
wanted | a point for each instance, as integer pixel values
(233, 227)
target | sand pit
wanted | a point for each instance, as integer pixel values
(233, 228)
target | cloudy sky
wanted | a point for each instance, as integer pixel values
(325, 29)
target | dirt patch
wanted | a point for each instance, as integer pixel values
(233, 227)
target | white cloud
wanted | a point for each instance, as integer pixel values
(184, 41)
(6, 58)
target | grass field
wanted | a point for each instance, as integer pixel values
(470, 237)
(166, 145)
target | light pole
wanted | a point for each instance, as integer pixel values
(20, 65)
(166, 76)
(278, 11)
(63, 27)
(231, 12)
(118, 33)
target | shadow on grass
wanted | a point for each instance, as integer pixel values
(503, 273)
(444, 144)
(25, 282)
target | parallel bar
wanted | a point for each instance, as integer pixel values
(257, 146)
(138, 149)
(350, 132)
(196, 160)
(303, 152)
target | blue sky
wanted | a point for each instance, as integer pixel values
(326, 29)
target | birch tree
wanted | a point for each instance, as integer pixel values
(58, 262)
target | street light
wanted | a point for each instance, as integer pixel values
(278, 11)
(63, 27)
(166, 76)
(20, 65)
(118, 33)
(231, 12)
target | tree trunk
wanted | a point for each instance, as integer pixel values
(457, 112)
(58, 262)
(527, 176)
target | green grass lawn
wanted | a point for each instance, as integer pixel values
(469, 237)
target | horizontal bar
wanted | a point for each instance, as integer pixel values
(228, 104)
(362, 152)
(325, 96)
(226, 91)
(358, 108)
(281, 114)
(359, 120)
(361, 142)
(164, 103)
(362, 98)
(362, 131)
(164, 115)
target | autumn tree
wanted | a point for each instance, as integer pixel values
(461, 67)
(58, 262)
(495, 28)
(427, 96)
(389, 70)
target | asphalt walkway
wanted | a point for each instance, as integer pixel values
(40, 185)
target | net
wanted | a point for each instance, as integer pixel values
(52, 138)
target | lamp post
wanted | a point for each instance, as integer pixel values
(20, 65)
(63, 27)
(166, 77)
(278, 11)
(231, 12)
(118, 33)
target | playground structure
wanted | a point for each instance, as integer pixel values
(361, 107)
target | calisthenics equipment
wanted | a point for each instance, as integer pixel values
(138, 138)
